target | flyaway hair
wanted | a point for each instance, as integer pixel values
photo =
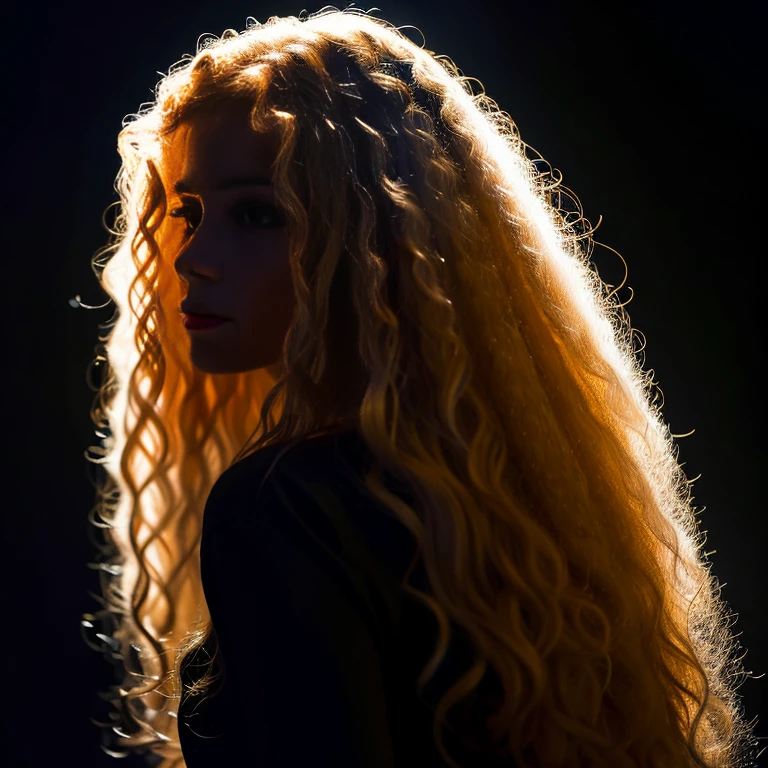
(446, 300)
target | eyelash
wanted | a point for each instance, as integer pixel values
(185, 211)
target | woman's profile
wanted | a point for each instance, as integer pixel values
(385, 483)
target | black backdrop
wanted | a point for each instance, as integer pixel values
(651, 111)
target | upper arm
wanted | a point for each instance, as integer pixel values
(296, 647)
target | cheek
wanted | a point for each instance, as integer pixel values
(266, 288)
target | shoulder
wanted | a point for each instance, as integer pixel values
(293, 512)
(294, 470)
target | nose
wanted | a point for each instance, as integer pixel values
(196, 260)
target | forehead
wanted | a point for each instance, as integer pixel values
(213, 148)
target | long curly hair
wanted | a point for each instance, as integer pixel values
(446, 300)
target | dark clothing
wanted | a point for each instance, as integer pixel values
(301, 568)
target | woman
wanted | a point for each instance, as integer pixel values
(374, 428)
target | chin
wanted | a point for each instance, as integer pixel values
(209, 364)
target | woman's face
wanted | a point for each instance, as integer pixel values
(231, 243)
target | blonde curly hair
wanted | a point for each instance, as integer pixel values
(496, 373)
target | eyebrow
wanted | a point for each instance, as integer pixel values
(185, 186)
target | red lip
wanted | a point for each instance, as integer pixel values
(202, 322)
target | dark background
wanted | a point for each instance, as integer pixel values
(651, 112)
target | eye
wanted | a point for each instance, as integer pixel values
(189, 214)
(255, 214)
(248, 214)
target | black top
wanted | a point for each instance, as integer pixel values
(301, 568)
